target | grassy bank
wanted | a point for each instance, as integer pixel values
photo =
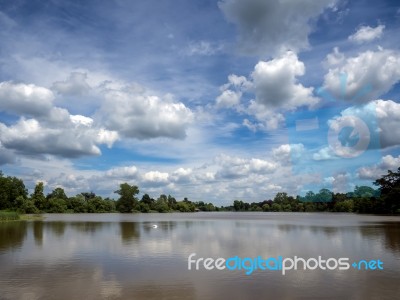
(9, 216)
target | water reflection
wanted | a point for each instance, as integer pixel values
(87, 227)
(125, 257)
(129, 232)
(38, 232)
(12, 234)
(386, 232)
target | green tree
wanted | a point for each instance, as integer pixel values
(276, 207)
(324, 195)
(127, 201)
(389, 186)
(10, 189)
(38, 197)
(162, 204)
(58, 193)
(77, 204)
(26, 206)
(56, 205)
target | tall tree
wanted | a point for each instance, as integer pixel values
(389, 186)
(38, 197)
(57, 193)
(127, 201)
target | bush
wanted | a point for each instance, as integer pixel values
(9, 216)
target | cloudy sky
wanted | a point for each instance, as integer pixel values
(210, 100)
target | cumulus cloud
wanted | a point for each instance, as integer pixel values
(335, 58)
(228, 98)
(67, 139)
(182, 175)
(270, 27)
(135, 114)
(287, 153)
(363, 77)
(385, 115)
(339, 183)
(156, 177)
(325, 153)
(275, 83)
(388, 162)
(74, 85)
(128, 172)
(234, 167)
(367, 34)
(25, 99)
(276, 89)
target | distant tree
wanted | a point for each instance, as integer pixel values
(25, 206)
(238, 205)
(127, 200)
(10, 189)
(276, 207)
(161, 204)
(56, 205)
(171, 202)
(182, 206)
(88, 195)
(389, 186)
(38, 197)
(77, 204)
(266, 207)
(58, 193)
(324, 195)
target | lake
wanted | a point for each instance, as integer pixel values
(123, 256)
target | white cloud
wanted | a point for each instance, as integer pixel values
(182, 175)
(325, 153)
(25, 99)
(367, 34)
(67, 139)
(388, 162)
(339, 183)
(228, 99)
(134, 114)
(46, 129)
(385, 115)
(234, 167)
(156, 177)
(288, 153)
(269, 27)
(123, 172)
(74, 85)
(276, 89)
(335, 58)
(366, 76)
(275, 83)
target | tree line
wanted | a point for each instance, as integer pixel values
(14, 197)
(385, 199)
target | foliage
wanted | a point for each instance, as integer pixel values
(127, 201)
(389, 186)
(9, 216)
(364, 199)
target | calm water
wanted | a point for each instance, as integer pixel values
(114, 256)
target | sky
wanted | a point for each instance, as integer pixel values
(209, 100)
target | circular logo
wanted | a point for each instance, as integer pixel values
(352, 144)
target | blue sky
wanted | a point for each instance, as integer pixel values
(210, 100)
